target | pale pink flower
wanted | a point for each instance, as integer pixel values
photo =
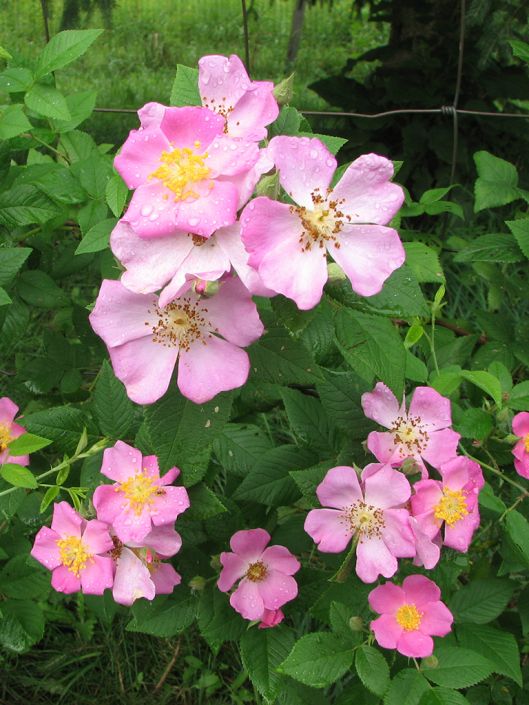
(168, 263)
(246, 106)
(421, 433)
(427, 550)
(185, 172)
(288, 244)
(205, 335)
(452, 502)
(410, 616)
(520, 427)
(139, 570)
(75, 551)
(265, 575)
(140, 499)
(9, 430)
(372, 511)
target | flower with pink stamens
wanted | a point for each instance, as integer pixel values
(205, 335)
(520, 427)
(75, 551)
(452, 502)
(139, 499)
(265, 575)
(410, 616)
(372, 511)
(9, 430)
(288, 244)
(421, 433)
(182, 167)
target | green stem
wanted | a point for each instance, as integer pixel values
(434, 356)
(499, 473)
(48, 146)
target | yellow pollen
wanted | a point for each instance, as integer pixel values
(73, 554)
(452, 507)
(408, 617)
(257, 572)
(525, 441)
(181, 323)
(5, 437)
(179, 169)
(322, 223)
(139, 491)
(365, 519)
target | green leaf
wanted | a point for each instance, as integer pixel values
(62, 424)
(519, 397)
(47, 101)
(517, 531)
(4, 54)
(5, 299)
(21, 581)
(496, 247)
(278, 358)
(38, 289)
(204, 503)
(520, 49)
(185, 87)
(424, 262)
(21, 625)
(93, 173)
(18, 476)
(520, 230)
(308, 419)
(116, 193)
(287, 123)
(406, 688)
(163, 617)
(372, 347)
(318, 659)
(50, 494)
(497, 182)
(217, 620)
(481, 601)
(443, 696)
(15, 80)
(65, 47)
(262, 650)
(499, 647)
(240, 446)
(13, 122)
(97, 238)
(372, 669)
(81, 106)
(340, 394)
(474, 423)
(113, 410)
(11, 260)
(27, 443)
(457, 667)
(25, 205)
(401, 296)
(333, 144)
(485, 381)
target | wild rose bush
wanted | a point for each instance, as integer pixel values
(233, 398)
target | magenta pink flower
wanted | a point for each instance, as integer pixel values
(266, 576)
(75, 551)
(288, 244)
(373, 512)
(145, 340)
(140, 499)
(9, 430)
(421, 433)
(452, 502)
(182, 167)
(520, 427)
(271, 618)
(170, 261)
(139, 570)
(410, 616)
(246, 106)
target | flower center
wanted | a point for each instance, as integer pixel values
(409, 435)
(525, 442)
(74, 554)
(180, 324)
(408, 617)
(5, 437)
(257, 572)
(365, 519)
(452, 507)
(220, 108)
(139, 491)
(180, 168)
(322, 223)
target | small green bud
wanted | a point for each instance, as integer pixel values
(356, 624)
(431, 661)
(215, 562)
(284, 90)
(197, 583)
(410, 467)
(268, 186)
(335, 272)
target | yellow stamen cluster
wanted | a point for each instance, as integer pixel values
(408, 617)
(366, 520)
(525, 441)
(257, 572)
(180, 324)
(5, 437)
(74, 554)
(139, 491)
(180, 168)
(409, 434)
(452, 506)
(322, 223)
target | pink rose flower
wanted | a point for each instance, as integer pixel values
(421, 433)
(182, 167)
(271, 618)
(75, 551)
(139, 570)
(168, 263)
(140, 499)
(265, 575)
(410, 616)
(372, 511)
(453, 502)
(246, 106)
(145, 340)
(288, 244)
(520, 427)
(9, 430)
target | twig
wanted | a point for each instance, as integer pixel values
(168, 668)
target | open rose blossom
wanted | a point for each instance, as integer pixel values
(265, 576)
(520, 427)
(205, 335)
(9, 430)
(185, 172)
(372, 511)
(75, 550)
(421, 433)
(140, 499)
(453, 502)
(410, 616)
(288, 244)
(139, 567)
